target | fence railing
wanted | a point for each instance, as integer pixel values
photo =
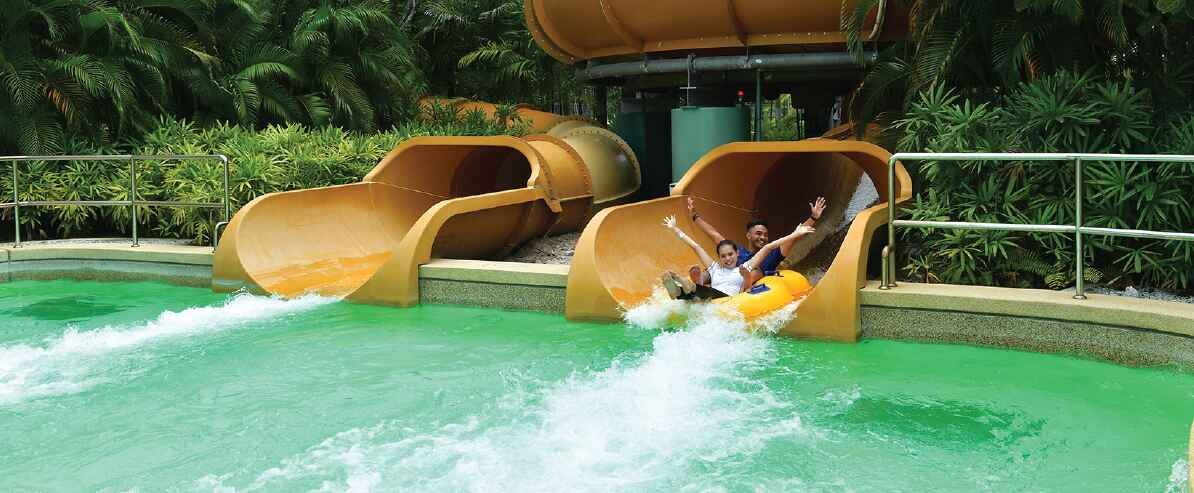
(132, 201)
(1077, 229)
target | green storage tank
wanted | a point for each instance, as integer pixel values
(696, 130)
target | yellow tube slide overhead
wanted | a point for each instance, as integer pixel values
(454, 197)
(578, 30)
(622, 251)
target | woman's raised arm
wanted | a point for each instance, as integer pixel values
(670, 223)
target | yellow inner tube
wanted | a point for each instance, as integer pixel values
(770, 293)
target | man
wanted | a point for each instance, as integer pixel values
(756, 238)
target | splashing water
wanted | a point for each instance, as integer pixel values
(1179, 477)
(648, 422)
(78, 360)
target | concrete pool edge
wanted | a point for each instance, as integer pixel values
(1125, 330)
(1130, 331)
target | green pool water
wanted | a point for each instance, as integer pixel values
(148, 387)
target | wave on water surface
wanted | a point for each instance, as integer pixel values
(652, 420)
(78, 360)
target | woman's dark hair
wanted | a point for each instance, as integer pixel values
(756, 222)
(724, 243)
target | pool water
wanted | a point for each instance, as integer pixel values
(149, 387)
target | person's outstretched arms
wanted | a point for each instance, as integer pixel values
(750, 269)
(704, 225)
(817, 207)
(670, 223)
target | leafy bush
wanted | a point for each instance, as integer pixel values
(1066, 112)
(276, 158)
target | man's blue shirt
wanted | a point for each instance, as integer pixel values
(770, 262)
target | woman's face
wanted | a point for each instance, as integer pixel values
(727, 255)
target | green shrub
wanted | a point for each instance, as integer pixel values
(276, 158)
(1066, 112)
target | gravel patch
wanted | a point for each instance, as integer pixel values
(549, 250)
(1131, 292)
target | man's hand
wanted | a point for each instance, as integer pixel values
(817, 207)
(691, 208)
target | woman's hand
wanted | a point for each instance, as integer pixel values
(804, 230)
(669, 222)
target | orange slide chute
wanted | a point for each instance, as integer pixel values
(578, 30)
(453, 197)
(623, 250)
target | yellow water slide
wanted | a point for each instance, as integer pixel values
(452, 197)
(623, 250)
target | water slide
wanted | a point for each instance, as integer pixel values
(452, 197)
(622, 251)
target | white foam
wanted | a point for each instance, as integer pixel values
(1179, 477)
(77, 360)
(646, 422)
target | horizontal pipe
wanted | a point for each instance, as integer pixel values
(1139, 233)
(103, 203)
(1043, 156)
(722, 64)
(1048, 228)
(1031, 228)
(115, 157)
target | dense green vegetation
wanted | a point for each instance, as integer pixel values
(106, 72)
(1040, 76)
(276, 158)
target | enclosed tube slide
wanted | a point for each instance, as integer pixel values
(455, 197)
(576, 30)
(623, 250)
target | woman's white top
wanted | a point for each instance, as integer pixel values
(725, 279)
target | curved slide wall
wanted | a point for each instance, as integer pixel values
(455, 197)
(578, 30)
(623, 249)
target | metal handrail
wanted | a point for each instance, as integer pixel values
(132, 201)
(888, 280)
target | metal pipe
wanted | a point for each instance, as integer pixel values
(891, 214)
(215, 234)
(16, 211)
(1043, 156)
(879, 17)
(884, 277)
(758, 105)
(724, 64)
(1139, 233)
(227, 204)
(1030, 228)
(113, 157)
(1079, 252)
(133, 196)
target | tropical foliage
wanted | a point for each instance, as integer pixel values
(276, 158)
(1061, 112)
(106, 72)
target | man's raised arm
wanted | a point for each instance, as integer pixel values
(704, 225)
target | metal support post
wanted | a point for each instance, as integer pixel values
(758, 105)
(884, 277)
(133, 196)
(16, 209)
(1079, 252)
(891, 215)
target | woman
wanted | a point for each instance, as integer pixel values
(725, 277)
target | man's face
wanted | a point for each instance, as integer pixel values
(757, 236)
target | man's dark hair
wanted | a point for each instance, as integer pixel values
(756, 222)
(724, 243)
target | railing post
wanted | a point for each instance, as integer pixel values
(1079, 252)
(16, 208)
(133, 195)
(227, 203)
(885, 276)
(891, 215)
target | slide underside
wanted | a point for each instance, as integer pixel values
(623, 250)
